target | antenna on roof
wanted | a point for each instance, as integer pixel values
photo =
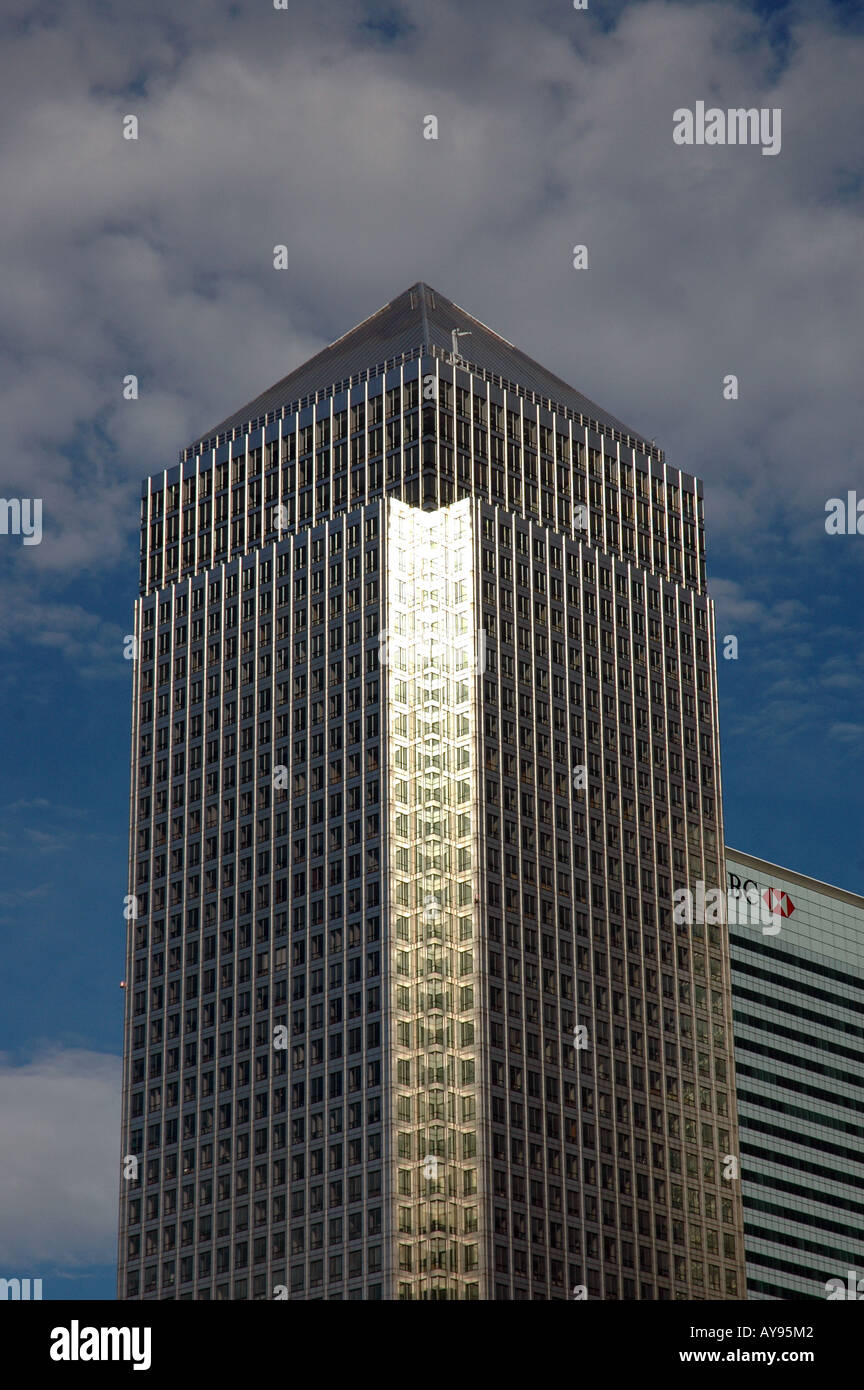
(455, 335)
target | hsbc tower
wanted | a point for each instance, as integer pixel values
(797, 952)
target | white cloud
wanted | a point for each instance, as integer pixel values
(93, 645)
(259, 127)
(749, 608)
(848, 733)
(59, 1145)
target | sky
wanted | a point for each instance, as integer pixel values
(303, 127)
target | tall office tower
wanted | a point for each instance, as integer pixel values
(797, 992)
(425, 730)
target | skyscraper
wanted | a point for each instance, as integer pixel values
(424, 735)
(798, 989)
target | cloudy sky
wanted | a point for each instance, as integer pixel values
(304, 127)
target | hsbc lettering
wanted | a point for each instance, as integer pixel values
(777, 902)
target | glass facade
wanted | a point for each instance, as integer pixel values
(431, 659)
(600, 791)
(424, 733)
(798, 991)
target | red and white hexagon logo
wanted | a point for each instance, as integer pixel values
(778, 904)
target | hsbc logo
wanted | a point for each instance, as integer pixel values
(778, 903)
(770, 904)
(741, 905)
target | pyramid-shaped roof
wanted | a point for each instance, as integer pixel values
(420, 318)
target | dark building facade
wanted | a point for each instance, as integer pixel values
(424, 736)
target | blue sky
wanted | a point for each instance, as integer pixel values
(155, 257)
